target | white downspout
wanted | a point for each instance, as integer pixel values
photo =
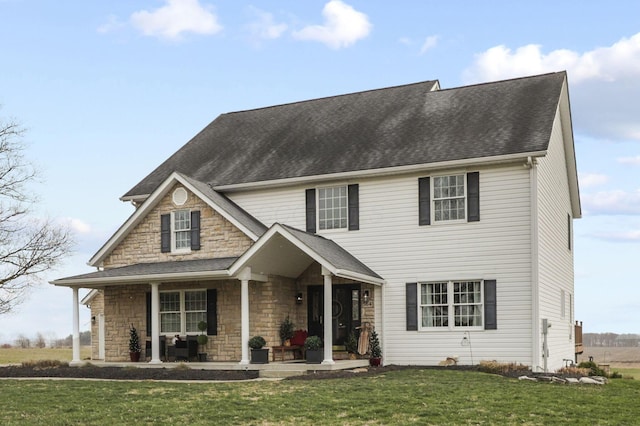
(535, 295)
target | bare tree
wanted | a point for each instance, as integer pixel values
(28, 246)
(23, 342)
(39, 341)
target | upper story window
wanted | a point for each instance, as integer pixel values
(336, 207)
(451, 304)
(449, 198)
(180, 231)
(332, 208)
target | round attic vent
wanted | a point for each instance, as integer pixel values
(179, 196)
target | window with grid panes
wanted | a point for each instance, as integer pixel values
(182, 229)
(332, 208)
(451, 304)
(449, 198)
(181, 311)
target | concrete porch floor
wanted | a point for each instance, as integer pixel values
(271, 370)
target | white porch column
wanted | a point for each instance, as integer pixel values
(155, 324)
(76, 328)
(244, 277)
(328, 317)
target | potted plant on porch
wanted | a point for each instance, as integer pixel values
(134, 344)
(313, 350)
(202, 341)
(258, 354)
(351, 345)
(374, 348)
(286, 331)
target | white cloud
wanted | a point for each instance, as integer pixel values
(429, 43)
(343, 26)
(264, 26)
(603, 82)
(175, 18)
(634, 161)
(619, 61)
(588, 180)
(629, 236)
(112, 24)
(405, 40)
(617, 202)
(77, 225)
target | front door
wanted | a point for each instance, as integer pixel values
(345, 311)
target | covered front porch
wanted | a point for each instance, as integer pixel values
(287, 272)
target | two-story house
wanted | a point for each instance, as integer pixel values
(441, 217)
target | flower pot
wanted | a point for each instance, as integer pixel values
(134, 356)
(202, 357)
(375, 362)
(259, 356)
(314, 356)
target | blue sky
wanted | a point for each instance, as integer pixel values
(108, 90)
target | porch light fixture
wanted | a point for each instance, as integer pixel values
(93, 320)
(299, 298)
(365, 297)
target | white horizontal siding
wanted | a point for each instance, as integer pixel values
(392, 244)
(555, 258)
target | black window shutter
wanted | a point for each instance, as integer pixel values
(311, 209)
(424, 201)
(490, 316)
(212, 304)
(148, 314)
(354, 207)
(195, 230)
(412, 306)
(473, 197)
(165, 233)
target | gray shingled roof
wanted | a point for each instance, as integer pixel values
(396, 126)
(158, 268)
(241, 215)
(332, 252)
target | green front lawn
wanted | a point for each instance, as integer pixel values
(400, 397)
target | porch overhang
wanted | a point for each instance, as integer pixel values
(282, 250)
(144, 273)
(288, 252)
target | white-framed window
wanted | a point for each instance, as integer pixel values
(182, 310)
(333, 208)
(181, 229)
(449, 198)
(451, 304)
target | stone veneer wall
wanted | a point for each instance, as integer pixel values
(97, 308)
(218, 236)
(269, 304)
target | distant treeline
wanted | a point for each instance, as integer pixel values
(610, 339)
(40, 341)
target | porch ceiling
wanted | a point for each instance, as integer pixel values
(279, 256)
